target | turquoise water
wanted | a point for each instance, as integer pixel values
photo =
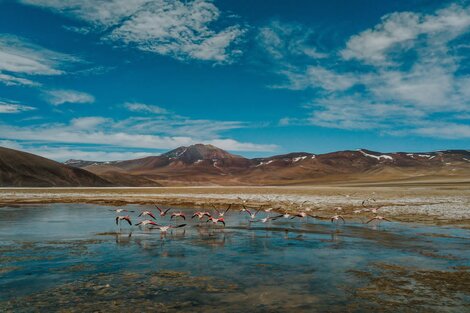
(73, 257)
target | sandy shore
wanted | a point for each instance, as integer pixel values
(439, 204)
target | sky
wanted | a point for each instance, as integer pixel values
(123, 79)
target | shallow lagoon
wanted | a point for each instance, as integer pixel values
(72, 257)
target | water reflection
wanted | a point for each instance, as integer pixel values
(66, 255)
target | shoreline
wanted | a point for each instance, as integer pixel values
(439, 205)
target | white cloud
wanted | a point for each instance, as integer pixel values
(19, 58)
(401, 74)
(444, 130)
(145, 108)
(101, 13)
(77, 153)
(63, 154)
(8, 107)
(72, 135)
(10, 144)
(358, 112)
(61, 96)
(401, 31)
(316, 77)
(11, 80)
(176, 125)
(162, 131)
(169, 27)
(286, 40)
(90, 122)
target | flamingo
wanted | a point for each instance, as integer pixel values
(164, 229)
(378, 218)
(162, 213)
(268, 218)
(147, 213)
(252, 215)
(336, 218)
(179, 214)
(123, 217)
(216, 220)
(146, 222)
(221, 214)
(200, 214)
(120, 210)
(286, 215)
(303, 215)
(374, 210)
(268, 209)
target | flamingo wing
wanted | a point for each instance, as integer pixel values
(117, 220)
(158, 208)
(228, 208)
(128, 220)
(166, 211)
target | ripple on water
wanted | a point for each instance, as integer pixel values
(86, 263)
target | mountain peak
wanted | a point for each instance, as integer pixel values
(198, 152)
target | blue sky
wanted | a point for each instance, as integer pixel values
(121, 79)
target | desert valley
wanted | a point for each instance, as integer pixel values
(235, 156)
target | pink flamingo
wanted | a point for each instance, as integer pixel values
(146, 222)
(216, 220)
(221, 214)
(147, 213)
(179, 214)
(162, 213)
(126, 218)
(336, 218)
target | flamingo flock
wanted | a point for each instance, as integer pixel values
(218, 216)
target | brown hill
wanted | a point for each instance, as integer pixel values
(21, 169)
(208, 165)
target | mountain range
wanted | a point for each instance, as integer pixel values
(21, 169)
(201, 164)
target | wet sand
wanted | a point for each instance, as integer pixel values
(430, 203)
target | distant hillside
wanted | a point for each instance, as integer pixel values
(21, 169)
(208, 165)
